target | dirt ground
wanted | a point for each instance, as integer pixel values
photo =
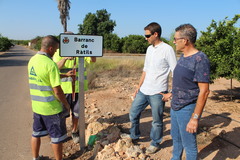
(218, 134)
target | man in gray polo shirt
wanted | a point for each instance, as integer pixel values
(160, 60)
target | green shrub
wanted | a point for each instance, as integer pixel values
(21, 42)
(134, 44)
(112, 42)
(5, 43)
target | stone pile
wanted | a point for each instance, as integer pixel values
(110, 146)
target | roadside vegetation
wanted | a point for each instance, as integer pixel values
(117, 68)
(5, 43)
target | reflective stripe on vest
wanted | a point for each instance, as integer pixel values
(41, 88)
(43, 99)
(65, 70)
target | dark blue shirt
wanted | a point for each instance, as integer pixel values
(187, 73)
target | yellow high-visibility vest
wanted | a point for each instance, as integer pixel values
(43, 75)
(67, 81)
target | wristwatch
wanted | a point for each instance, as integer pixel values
(195, 116)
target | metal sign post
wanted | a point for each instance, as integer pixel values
(81, 119)
(73, 45)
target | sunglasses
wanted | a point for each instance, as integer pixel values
(148, 35)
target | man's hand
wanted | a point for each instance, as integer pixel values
(66, 110)
(70, 73)
(135, 93)
(166, 96)
(192, 125)
(68, 58)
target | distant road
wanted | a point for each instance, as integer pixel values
(15, 107)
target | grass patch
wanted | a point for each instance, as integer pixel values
(110, 68)
(105, 64)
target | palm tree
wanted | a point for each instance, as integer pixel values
(64, 7)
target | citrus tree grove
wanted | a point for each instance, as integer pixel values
(221, 43)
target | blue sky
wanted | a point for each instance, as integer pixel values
(26, 19)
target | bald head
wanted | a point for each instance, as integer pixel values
(49, 45)
(49, 41)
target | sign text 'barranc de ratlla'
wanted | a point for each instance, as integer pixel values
(74, 45)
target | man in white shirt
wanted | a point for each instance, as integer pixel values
(160, 60)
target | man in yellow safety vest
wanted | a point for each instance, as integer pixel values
(47, 98)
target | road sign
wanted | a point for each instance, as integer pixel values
(75, 45)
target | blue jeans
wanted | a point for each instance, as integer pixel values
(140, 102)
(181, 138)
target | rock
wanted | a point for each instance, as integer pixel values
(67, 154)
(133, 151)
(114, 134)
(109, 113)
(121, 154)
(142, 156)
(108, 153)
(94, 128)
(92, 118)
(95, 110)
(104, 143)
(222, 133)
(121, 146)
(237, 100)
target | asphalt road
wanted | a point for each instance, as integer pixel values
(15, 107)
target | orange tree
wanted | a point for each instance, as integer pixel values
(221, 43)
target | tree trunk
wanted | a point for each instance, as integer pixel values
(65, 26)
(231, 93)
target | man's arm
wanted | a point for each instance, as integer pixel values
(61, 97)
(93, 59)
(201, 101)
(68, 74)
(140, 83)
(61, 63)
(172, 61)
